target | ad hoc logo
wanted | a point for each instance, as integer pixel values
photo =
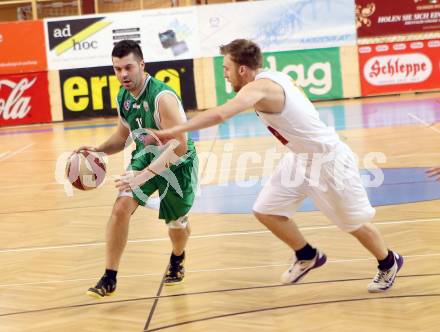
(77, 44)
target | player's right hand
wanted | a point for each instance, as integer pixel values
(83, 148)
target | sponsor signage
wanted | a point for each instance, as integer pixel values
(278, 25)
(317, 72)
(21, 47)
(91, 92)
(402, 66)
(198, 31)
(24, 99)
(87, 41)
(386, 17)
(78, 42)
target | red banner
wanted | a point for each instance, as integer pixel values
(22, 47)
(24, 99)
(391, 17)
(397, 67)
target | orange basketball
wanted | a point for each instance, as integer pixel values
(85, 170)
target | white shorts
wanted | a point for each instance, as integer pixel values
(332, 181)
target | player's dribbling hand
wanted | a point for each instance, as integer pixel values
(434, 172)
(83, 148)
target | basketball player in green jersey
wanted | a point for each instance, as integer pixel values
(147, 103)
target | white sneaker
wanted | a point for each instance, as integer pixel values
(300, 268)
(385, 279)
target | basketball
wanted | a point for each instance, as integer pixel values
(86, 170)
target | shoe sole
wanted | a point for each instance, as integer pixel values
(174, 283)
(97, 296)
(319, 262)
(399, 262)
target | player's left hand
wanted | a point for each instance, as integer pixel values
(129, 180)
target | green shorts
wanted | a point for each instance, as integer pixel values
(176, 187)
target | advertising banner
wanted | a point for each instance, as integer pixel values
(22, 47)
(278, 25)
(387, 17)
(198, 31)
(87, 41)
(402, 66)
(318, 72)
(91, 92)
(24, 99)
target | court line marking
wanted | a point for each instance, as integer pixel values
(203, 293)
(94, 244)
(237, 268)
(159, 291)
(239, 313)
(10, 154)
(423, 122)
(156, 300)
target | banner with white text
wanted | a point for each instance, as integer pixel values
(24, 99)
(401, 66)
(388, 17)
(317, 72)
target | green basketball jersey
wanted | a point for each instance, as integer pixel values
(141, 113)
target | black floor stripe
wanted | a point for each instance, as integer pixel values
(74, 306)
(156, 300)
(290, 306)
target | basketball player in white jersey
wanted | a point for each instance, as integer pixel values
(294, 121)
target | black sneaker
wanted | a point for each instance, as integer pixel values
(176, 271)
(104, 287)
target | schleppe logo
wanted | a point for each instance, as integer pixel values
(398, 69)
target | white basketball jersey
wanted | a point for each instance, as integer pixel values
(298, 126)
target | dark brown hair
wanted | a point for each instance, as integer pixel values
(243, 52)
(125, 47)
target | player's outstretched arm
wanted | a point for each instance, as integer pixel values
(246, 98)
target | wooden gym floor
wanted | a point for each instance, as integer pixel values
(52, 244)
